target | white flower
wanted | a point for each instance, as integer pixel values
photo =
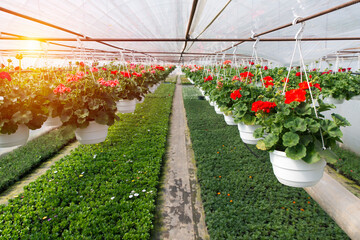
(1, 98)
(150, 192)
(132, 191)
(94, 156)
(82, 172)
(148, 130)
(143, 190)
(112, 198)
(131, 196)
(55, 172)
(136, 194)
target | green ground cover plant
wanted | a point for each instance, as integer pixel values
(101, 191)
(241, 196)
(22, 160)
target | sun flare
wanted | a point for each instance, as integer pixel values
(32, 45)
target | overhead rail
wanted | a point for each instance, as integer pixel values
(191, 18)
(304, 19)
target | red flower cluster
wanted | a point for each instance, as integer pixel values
(227, 62)
(17, 68)
(236, 94)
(295, 95)
(5, 75)
(2, 66)
(61, 89)
(76, 77)
(285, 80)
(298, 74)
(317, 85)
(263, 106)
(246, 75)
(94, 69)
(137, 74)
(235, 78)
(126, 74)
(266, 68)
(219, 85)
(161, 68)
(209, 78)
(82, 64)
(341, 70)
(304, 85)
(110, 83)
(114, 72)
(251, 63)
(268, 81)
(104, 69)
(328, 72)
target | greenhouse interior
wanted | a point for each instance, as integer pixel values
(180, 120)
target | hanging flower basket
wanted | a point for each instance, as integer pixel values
(53, 122)
(296, 173)
(20, 137)
(126, 106)
(207, 98)
(229, 120)
(217, 109)
(94, 133)
(212, 103)
(246, 133)
(140, 101)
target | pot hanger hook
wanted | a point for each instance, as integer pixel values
(301, 30)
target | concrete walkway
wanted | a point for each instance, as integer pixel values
(180, 213)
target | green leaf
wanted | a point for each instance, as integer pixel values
(66, 114)
(102, 118)
(82, 113)
(248, 119)
(21, 117)
(297, 124)
(259, 132)
(331, 128)
(312, 125)
(312, 155)
(306, 139)
(270, 140)
(296, 152)
(290, 139)
(340, 120)
(261, 145)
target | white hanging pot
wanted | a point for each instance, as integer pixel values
(207, 98)
(140, 101)
(246, 133)
(20, 137)
(94, 133)
(126, 106)
(331, 100)
(296, 173)
(229, 120)
(356, 98)
(53, 122)
(217, 109)
(192, 82)
(212, 103)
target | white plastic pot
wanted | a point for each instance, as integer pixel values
(212, 103)
(246, 133)
(331, 100)
(20, 137)
(53, 122)
(140, 101)
(296, 173)
(94, 133)
(126, 106)
(192, 82)
(207, 98)
(229, 120)
(217, 109)
(357, 98)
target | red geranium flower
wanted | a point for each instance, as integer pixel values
(227, 62)
(295, 95)
(125, 74)
(236, 94)
(208, 78)
(298, 74)
(317, 85)
(246, 75)
(268, 81)
(266, 68)
(235, 78)
(251, 63)
(137, 74)
(285, 80)
(61, 89)
(304, 85)
(349, 69)
(17, 68)
(2, 65)
(82, 64)
(263, 106)
(5, 75)
(114, 72)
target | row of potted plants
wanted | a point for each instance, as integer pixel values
(280, 112)
(84, 97)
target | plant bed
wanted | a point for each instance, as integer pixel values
(241, 196)
(22, 160)
(99, 191)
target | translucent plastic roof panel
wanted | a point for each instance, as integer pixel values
(219, 19)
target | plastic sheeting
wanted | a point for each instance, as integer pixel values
(169, 19)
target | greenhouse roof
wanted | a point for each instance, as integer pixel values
(174, 30)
